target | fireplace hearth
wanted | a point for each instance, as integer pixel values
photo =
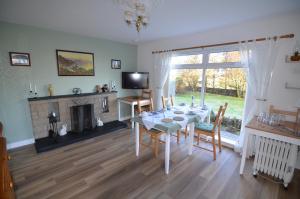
(47, 143)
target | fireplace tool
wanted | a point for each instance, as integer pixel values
(53, 125)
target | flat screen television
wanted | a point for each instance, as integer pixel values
(135, 80)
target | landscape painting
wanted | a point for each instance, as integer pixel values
(73, 63)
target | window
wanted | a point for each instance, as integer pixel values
(213, 78)
(188, 83)
(187, 59)
(224, 57)
(226, 85)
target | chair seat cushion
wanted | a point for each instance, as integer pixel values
(154, 131)
(204, 127)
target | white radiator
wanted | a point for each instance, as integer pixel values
(275, 158)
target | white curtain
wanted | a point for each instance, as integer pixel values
(259, 58)
(162, 68)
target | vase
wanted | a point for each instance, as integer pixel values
(50, 90)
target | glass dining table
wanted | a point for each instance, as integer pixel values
(170, 121)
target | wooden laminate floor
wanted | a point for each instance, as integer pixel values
(106, 167)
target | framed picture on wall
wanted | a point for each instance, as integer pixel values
(74, 63)
(19, 59)
(115, 64)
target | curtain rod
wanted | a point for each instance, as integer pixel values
(225, 44)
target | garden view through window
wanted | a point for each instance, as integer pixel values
(222, 83)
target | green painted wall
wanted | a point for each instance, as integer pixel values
(42, 45)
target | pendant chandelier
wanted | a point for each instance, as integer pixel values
(136, 12)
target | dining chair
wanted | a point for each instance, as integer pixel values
(153, 134)
(220, 125)
(292, 117)
(146, 94)
(165, 99)
(208, 130)
(144, 105)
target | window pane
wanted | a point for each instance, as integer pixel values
(223, 57)
(187, 59)
(226, 85)
(187, 84)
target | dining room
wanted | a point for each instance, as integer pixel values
(158, 99)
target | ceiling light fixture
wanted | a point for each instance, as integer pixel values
(137, 11)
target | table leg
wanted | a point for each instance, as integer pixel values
(137, 140)
(119, 111)
(191, 138)
(167, 153)
(132, 115)
(244, 153)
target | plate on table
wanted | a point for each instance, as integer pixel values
(167, 120)
(154, 112)
(204, 108)
(177, 118)
(178, 112)
(191, 113)
(145, 114)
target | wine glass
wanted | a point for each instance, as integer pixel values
(282, 119)
(260, 117)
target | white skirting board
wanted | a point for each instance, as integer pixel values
(20, 143)
(298, 161)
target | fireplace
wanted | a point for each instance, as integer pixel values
(82, 118)
(99, 105)
(79, 112)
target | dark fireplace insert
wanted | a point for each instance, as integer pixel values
(82, 118)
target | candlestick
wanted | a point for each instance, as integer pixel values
(30, 90)
(35, 91)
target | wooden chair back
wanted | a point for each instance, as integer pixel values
(165, 99)
(222, 113)
(146, 94)
(143, 103)
(217, 121)
(273, 110)
(291, 114)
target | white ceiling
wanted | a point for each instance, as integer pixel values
(104, 19)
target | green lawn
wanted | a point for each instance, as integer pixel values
(235, 104)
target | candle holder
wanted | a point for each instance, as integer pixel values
(31, 94)
(53, 125)
(193, 104)
(35, 94)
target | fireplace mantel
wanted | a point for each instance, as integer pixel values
(104, 104)
(68, 96)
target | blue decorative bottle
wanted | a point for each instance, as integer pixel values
(192, 105)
